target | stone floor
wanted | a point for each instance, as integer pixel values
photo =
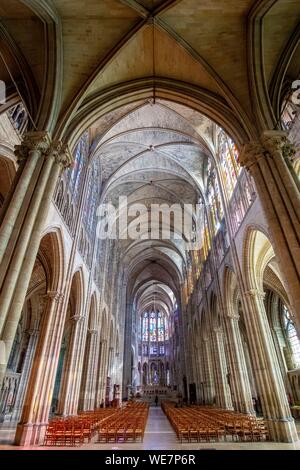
(159, 435)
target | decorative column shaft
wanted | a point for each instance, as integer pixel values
(18, 273)
(198, 372)
(267, 371)
(37, 403)
(78, 366)
(268, 161)
(98, 397)
(103, 370)
(240, 377)
(208, 383)
(88, 374)
(223, 395)
(67, 401)
(29, 155)
(29, 356)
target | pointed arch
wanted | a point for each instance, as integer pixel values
(257, 254)
(230, 292)
(52, 243)
(77, 293)
(92, 323)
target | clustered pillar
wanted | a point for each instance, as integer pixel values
(269, 162)
(267, 371)
(223, 395)
(21, 228)
(41, 162)
(37, 403)
(240, 380)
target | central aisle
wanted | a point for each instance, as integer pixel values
(159, 434)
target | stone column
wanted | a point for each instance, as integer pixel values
(31, 348)
(98, 397)
(30, 156)
(269, 162)
(38, 397)
(67, 402)
(78, 366)
(92, 404)
(13, 253)
(110, 370)
(29, 356)
(91, 366)
(208, 383)
(223, 395)
(201, 374)
(240, 382)
(103, 370)
(21, 260)
(198, 372)
(96, 377)
(267, 371)
(88, 385)
(285, 359)
(284, 354)
(249, 369)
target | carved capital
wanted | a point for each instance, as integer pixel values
(277, 142)
(255, 293)
(93, 332)
(33, 142)
(65, 157)
(234, 317)
(61, 154)
(218, 331)
(77, 318)
(33, 332)
(54, 149)
(55, 296)
(251, 153)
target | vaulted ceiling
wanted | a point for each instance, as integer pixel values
(148, 77)
(157, 153)
(61, 55)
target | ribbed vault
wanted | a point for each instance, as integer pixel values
(157, 153)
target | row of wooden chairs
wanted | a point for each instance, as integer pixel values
(198, 423)
(127, 425)
(74, 430)
(239, 426)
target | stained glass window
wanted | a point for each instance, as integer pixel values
(160, 327)
(166, 329)
(290, 111)
(145, 327)
(152, 329)
(93, 195)
(214, 200)
(75, 173)
(206, 242)
(292, 335)
(73, 179)
(228, 156)
(234, 156)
